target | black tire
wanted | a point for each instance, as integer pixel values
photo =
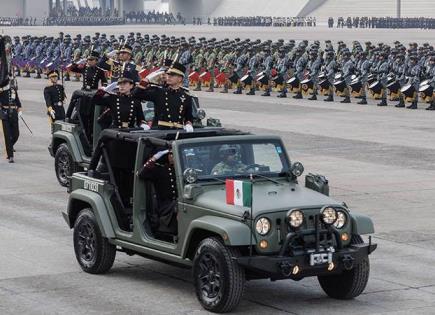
(213, 262)
(350, 283)
(94, 253)
(64, 165)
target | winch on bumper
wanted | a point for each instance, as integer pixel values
(299, 263)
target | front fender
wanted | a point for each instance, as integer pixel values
(362, 224)
(80, 197)
(232, 232)
(71, 142)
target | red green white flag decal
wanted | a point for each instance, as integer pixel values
(238, 192)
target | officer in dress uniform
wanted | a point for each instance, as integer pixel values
(92, 75)
(124, 109)
(122, 67)
(159, 170)
(10, 110)
(54, 95)
(172, 103)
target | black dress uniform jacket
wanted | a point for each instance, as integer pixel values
(170, 106)
(91, 76)
(125, 110)
(10, 104)
(54, 96)
(162, 175)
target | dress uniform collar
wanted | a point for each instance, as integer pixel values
(172, 90)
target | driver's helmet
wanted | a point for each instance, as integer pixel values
(228, 149)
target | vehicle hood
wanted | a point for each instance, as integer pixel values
(266, 197)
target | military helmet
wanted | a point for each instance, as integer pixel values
(228, 149)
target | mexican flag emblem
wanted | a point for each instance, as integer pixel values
(238, 192)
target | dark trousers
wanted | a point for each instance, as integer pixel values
(10, 129)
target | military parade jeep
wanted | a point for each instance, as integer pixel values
(288, 231)
(72, 142)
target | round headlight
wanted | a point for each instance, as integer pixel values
(262, 226)
(329, 215)
(296, 218)
(341, 220)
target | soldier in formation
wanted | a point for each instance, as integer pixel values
(383, 22)
(397, 72)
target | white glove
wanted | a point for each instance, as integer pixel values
(53, 114)
(145, 127)
(159, 154)
(20, 113)
(188, 128)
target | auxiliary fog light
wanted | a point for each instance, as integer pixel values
(331, 266)
(263, 244)
(329, 215)
(296, 270)
(295, 218)
(345, 237)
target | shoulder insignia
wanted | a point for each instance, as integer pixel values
(186, 90)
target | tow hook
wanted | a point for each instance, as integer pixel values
(286, 268)
(348, 262)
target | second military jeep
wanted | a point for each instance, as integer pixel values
(285, 231)
(73, 142)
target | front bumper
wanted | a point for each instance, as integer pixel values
(283, 267)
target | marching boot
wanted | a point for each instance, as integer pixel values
(38, 75)
(67, 78)
(210, 89)
(432, 106)
(251, 91)
(198, 86)
(225, 90)
(27, 74)
(283, 94)
(401, 103)
(346, 100)
(11, 160)
(298, 96)
(383, 102)
(413, 105)
(266, 93)
(330, 98)
(363, 101)
(18, 73)
(313, 97)
(238, 90)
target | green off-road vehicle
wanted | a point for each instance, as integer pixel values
(287, 231)
(73, 142)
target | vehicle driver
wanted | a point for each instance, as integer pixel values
(230, 163)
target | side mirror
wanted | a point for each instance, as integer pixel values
(190, 175)
(297, 169)
(192, 191)
(201, 114)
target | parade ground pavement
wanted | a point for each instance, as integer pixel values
(380, 161)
